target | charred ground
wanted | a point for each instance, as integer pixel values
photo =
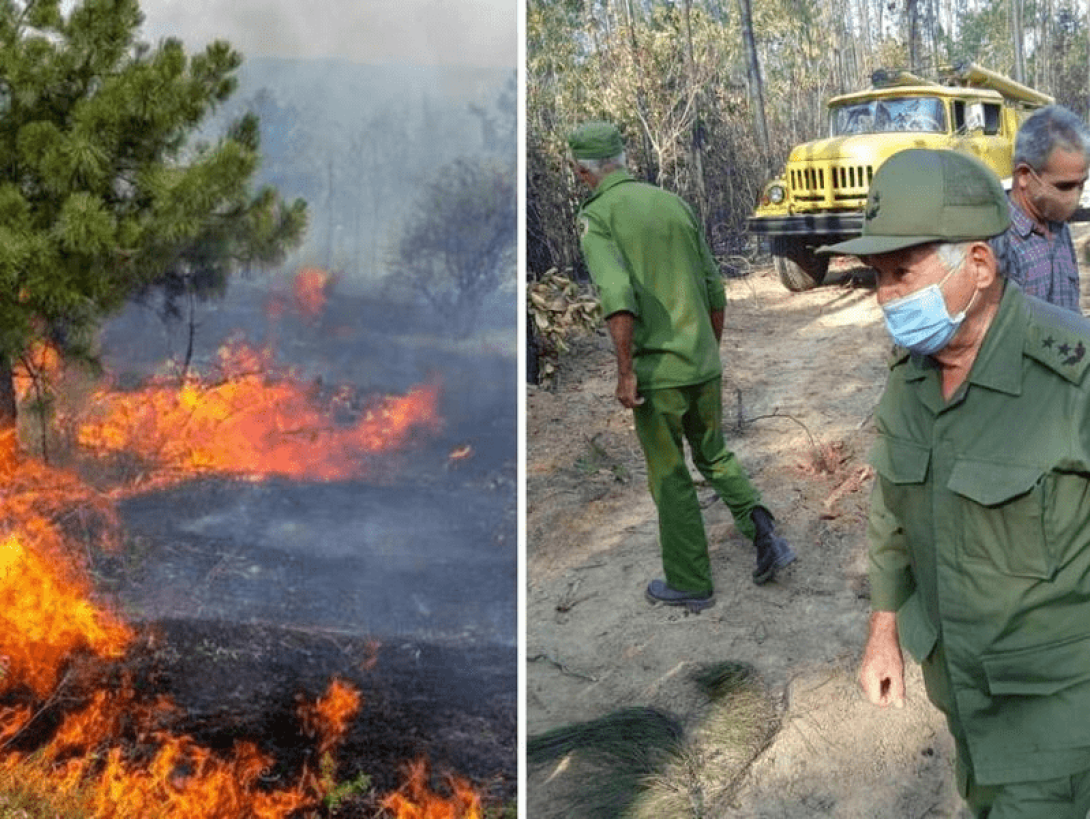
(250, 595)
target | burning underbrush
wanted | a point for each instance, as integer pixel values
(105, 717)
(87, 717)
(251, 418)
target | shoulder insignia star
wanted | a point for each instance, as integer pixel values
(1059, 342)
(1079, 352)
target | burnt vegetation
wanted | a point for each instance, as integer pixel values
(134, 181)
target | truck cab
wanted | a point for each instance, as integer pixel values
(819, 197)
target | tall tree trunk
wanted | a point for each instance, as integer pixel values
(191, 332)
(933, 35)
(698, 120)
(912, 15)
(1016, 37)
(1048, 79)
(756, 86)
(8, 411)
(863, 47)
(651, 170)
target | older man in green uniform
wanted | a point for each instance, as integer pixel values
(980, 514)
(662, 298)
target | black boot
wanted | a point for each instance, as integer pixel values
(773, 552)
(659, 592)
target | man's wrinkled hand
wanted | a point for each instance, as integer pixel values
(882, 672)
(626, 390)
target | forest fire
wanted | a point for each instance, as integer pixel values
(254, 420)
(112, 750)
(76, 720)
(46, 616)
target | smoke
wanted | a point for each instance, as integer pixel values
(408, 549)
(418, 32)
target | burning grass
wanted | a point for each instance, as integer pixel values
(70, 727)
(251, 419)
(90, 725)
(83, 735)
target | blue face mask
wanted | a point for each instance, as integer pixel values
(920, 321)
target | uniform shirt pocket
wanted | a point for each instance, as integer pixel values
(1002, 516)
(902, 465)
(900, 461)
(1040, 670)
(918, 634)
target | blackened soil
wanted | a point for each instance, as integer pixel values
(433, 561)
(251, 595)
(453, 705)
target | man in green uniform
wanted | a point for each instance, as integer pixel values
(980, 514)
(663, 299)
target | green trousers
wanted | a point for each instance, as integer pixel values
(666, 419)
(1066, 797)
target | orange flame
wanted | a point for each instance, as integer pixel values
(459, 454)
(254, 422)
(45, 617)
(329, 718)
(42, 361)
(181, 779)
(49, 618)
(415, 800)
(46, 620)
(185, 780)
(309, 288)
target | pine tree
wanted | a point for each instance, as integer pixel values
(102, 193)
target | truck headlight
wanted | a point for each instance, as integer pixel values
(776, 194)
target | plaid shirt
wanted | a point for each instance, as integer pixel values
(1043, 267)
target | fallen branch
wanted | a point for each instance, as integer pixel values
(742, 421)
(853, 483)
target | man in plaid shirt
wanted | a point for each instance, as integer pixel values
(1051, 155)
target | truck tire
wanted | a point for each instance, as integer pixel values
(801, 270)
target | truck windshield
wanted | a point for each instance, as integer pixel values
(883, 116)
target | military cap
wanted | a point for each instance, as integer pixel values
(596, 140)
(923, 195)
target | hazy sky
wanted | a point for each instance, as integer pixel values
(432, 32)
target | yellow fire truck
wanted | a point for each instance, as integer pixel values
(819, 197)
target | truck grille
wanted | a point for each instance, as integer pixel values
(830, 184)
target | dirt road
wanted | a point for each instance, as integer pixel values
(802, 375)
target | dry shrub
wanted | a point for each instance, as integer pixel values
(644, 763)
(560, 308)
(739, 721)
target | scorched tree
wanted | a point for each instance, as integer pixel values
(459, 244)
(103, 191)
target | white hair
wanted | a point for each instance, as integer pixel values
(952, 253)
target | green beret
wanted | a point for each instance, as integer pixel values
(596, 140)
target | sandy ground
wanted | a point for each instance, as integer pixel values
(803, 373)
